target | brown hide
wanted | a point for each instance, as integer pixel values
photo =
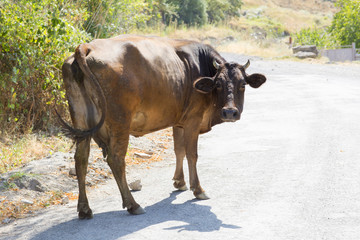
(136, 85)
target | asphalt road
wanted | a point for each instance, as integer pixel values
(289, 169)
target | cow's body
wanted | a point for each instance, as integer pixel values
(137, 85)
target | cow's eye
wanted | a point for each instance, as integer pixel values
(242, 87)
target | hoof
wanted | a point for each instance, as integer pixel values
(180, 185)
(183, 188)
(202, 196)
(86, 215)
(137, 211)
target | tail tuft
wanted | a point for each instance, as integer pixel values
(76, 135)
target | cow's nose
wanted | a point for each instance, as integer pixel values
(230, 114)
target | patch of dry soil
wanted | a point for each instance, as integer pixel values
(52, 180)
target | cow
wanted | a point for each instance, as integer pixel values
(134, 85)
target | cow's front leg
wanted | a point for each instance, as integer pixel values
(191, 136)
(179, 147)
(116, 161)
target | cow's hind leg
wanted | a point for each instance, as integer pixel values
(179, 148)
(81, 163)
(116, 161)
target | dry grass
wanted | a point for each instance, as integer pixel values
(202, 33)
(18, 209)
(313, 6)
(157, 154)
(294, 15)
(265, 49)
(15, 152)
(294, 20)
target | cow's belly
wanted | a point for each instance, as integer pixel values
(152, 120)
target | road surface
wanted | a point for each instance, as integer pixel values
(289, 169)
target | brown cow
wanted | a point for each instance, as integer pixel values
(137, 85)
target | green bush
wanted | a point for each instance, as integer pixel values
(35, 38)
(318, 37)
(113, 17)
(191, 12)
(344, 29)
(346, 23)
(219, 10)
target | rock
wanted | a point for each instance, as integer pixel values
(303, 55)
(228, 39)
(6, 221)
(35, 185)
(17, 209)
(142, 155)
(31, 183)
(135, 185)
(27, 201)
(150, 152)
(62, 167)
(305, 48)
(65, 200)
(285, 33)
(72, 171)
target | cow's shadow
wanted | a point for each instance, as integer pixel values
(116, 224)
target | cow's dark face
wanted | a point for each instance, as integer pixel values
(229, 86)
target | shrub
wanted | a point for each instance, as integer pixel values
(219, 10)
(109, 18)
(36, 37)
(191, 12)
(346, 23)
(318, 37)
(344, 29)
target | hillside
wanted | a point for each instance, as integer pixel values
(313, 6)
(263, 28)
(293, 14)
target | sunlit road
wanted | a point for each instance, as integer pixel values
(289, 169)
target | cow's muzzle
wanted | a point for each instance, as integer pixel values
(230, 114)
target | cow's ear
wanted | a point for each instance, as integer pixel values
(256, 80)
(204, 84)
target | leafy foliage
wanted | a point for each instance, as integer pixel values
(318, 37)
(191, 12)
(164, 11)
(35, 39)
(113, 17)
(344, 29)
(219, 10)
(346, 23)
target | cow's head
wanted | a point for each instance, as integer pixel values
(229, 85)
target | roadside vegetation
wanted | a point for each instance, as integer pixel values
(36, 37)
(343, 30)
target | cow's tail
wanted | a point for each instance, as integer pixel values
(79, 135)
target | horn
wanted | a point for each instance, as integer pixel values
(216, 64)
(247, 64)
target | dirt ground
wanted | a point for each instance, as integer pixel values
(52, 180)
